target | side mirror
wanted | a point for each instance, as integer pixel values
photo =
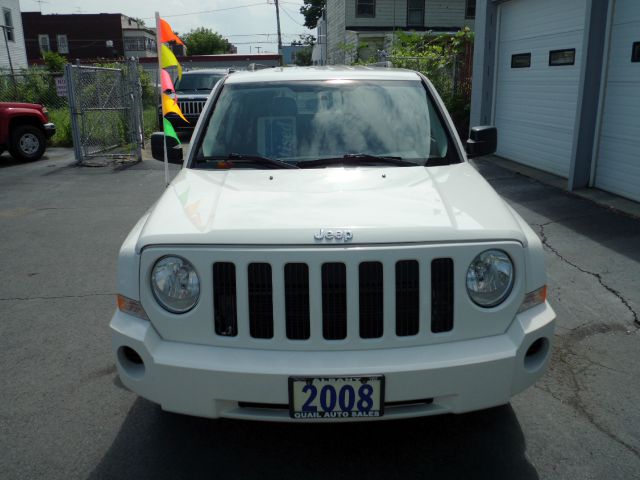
(174, 150)
(482, 141)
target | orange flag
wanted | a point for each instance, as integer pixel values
(166, 33)
(169, 105)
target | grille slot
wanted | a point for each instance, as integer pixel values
(334, 301)
(371, 299)
(260, 300)
(296, 297)
(441, 295)
(407, 297)
(224, 299)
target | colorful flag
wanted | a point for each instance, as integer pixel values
(166, 82)
(170, 105)
(169, 131)
(168, 59)
(166, 33)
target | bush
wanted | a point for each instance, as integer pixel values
(62, 118)
(446, 61)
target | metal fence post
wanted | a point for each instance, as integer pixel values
(73, 111)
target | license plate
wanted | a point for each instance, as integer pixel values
(336, 397)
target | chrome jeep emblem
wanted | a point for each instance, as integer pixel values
(338, 235)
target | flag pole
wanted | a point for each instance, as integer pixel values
(164, 141)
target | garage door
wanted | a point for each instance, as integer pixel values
(618, 160)
(535, 102)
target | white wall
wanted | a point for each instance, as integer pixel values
(16, 48)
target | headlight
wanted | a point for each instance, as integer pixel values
(490, 278)
(175, 284)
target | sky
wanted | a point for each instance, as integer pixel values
(248, 24)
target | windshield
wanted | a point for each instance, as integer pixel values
(312, 121)
(200, 81)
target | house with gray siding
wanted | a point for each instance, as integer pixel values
(367, 26)
(12, 50)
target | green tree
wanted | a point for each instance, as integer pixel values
(446, 61)
(303, 56)
(312, 11)
(204, 41)
(54, 62)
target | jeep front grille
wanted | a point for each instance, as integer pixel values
(335, 282)
(260, 300)
(296, 301)
(334, 301)
(224, 299)
(407, 298)
(371, 299)
(191, 107)
(441, 295)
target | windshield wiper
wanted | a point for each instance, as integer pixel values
(356, 159)
(233, 158)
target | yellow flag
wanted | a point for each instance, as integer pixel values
(168, 59)
(169, 105)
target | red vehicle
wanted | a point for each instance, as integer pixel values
(24, 129)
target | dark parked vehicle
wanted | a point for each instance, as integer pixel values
(192, 91)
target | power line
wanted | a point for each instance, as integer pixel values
(291, 17)
(210, 11)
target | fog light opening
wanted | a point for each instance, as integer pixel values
(536, 354)
(131, 362)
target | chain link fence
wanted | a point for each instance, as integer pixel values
(106, 113)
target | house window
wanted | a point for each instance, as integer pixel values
(134, 43)
(8, 24)
(562, 57)
(366, 8)
(43, 41)
(635, 52)
(470, 9)
(521, 60)
(415, 13)
(63, 44)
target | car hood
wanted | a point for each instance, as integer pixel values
(289, 207)
(192, 94)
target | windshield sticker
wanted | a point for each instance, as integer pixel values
(277, 137)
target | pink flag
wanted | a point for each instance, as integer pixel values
(167, 84)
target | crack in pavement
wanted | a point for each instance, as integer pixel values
(597, 276)
(576, 401)
(56, 297)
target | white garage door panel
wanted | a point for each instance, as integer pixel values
(535, 107)
(618, 160)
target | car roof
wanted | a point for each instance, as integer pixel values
(207, 71)
(279, 74)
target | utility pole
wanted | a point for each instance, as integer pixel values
(6, 42)
(279, 33)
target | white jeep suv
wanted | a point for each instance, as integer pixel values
(328, 253)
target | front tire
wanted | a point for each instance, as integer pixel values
(27, 143)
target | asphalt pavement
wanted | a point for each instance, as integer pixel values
(64, 414)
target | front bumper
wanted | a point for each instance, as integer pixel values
(217, 382)
(49, 129)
